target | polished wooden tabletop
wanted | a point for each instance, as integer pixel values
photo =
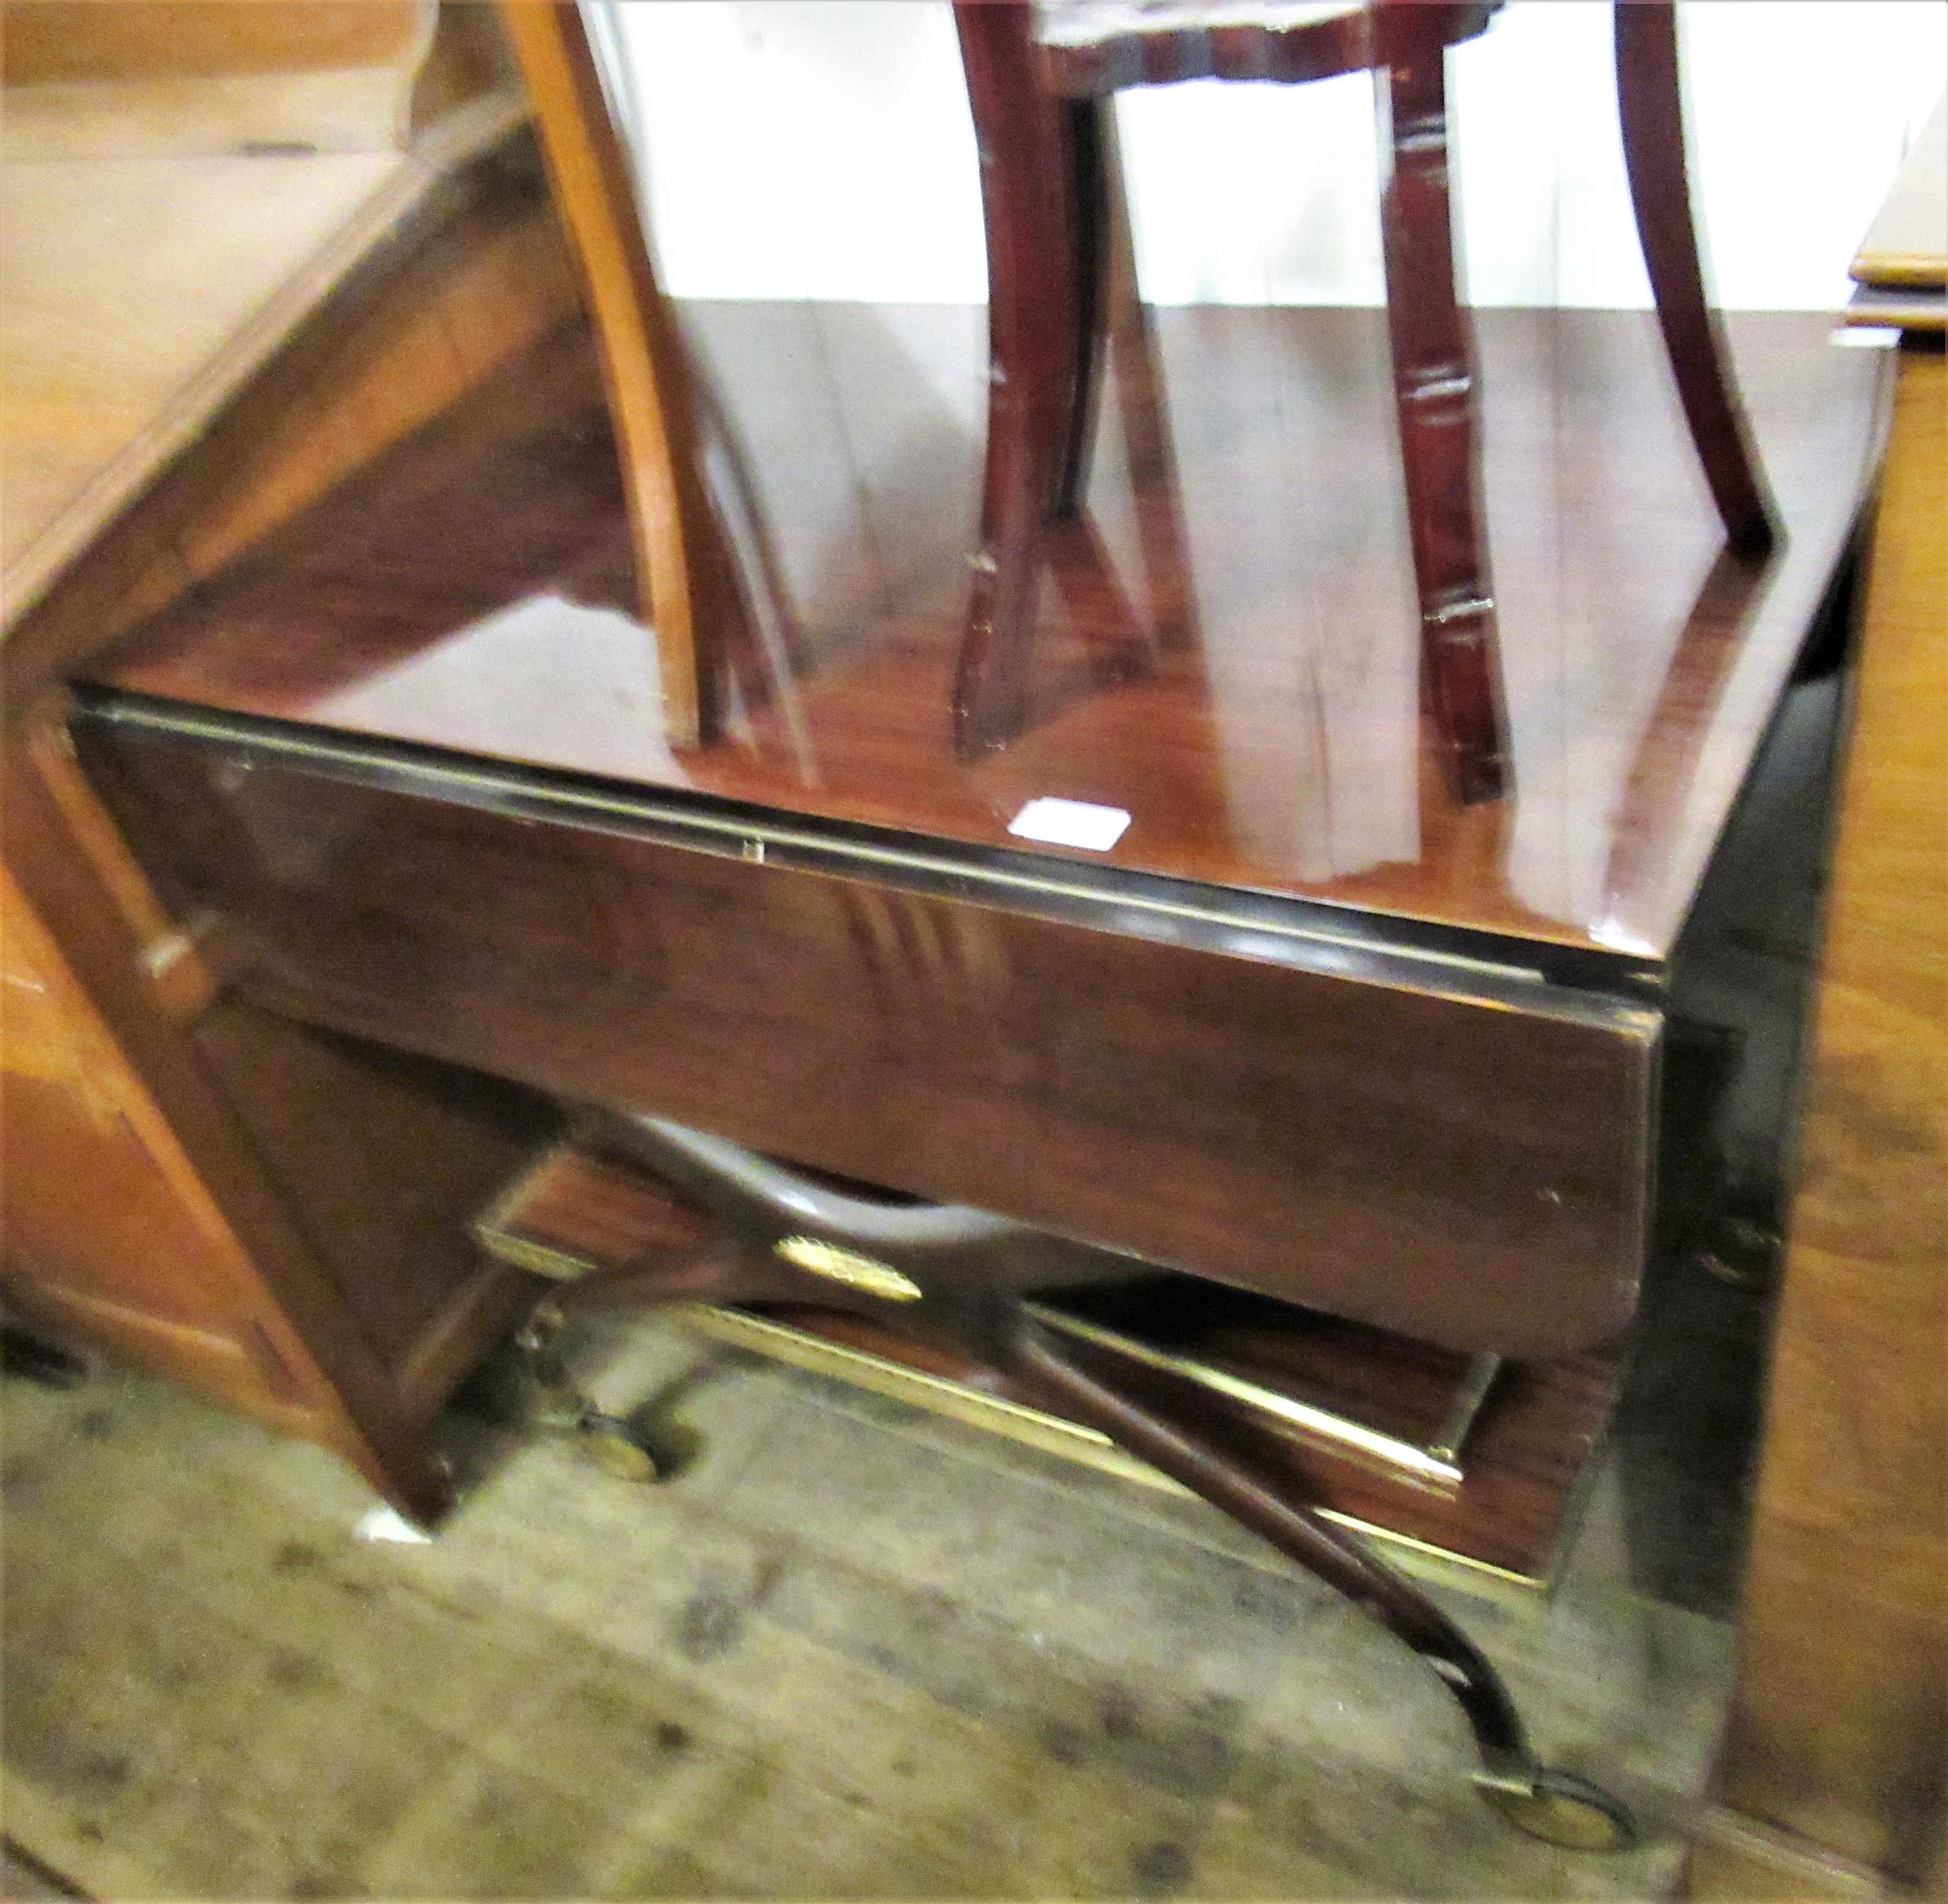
(1228, 647)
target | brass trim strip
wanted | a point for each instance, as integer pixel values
(996, 1415)
(557, 1265)
(849, 1267)
(941, 1395)
(1313, 943)
(1437, 1464)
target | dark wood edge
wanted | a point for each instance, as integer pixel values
(486, 1307)
(1588, 984)
(60, 879)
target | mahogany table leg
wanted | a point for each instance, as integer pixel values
(1545, 1802)
(1039, 166)
(965, 1275)
(554, 1402)
(1435, 387)
(1651, 108)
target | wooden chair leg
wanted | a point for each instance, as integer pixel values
(1143, 408)
(1651, 109)
(1089, 133)
(1041, 296)
(1433, 381)
(685, 573)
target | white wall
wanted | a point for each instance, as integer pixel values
(821, 149)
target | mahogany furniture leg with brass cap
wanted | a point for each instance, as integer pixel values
(964, 1276)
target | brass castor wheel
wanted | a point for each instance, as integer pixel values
(1560, 1809)
(614, 1446)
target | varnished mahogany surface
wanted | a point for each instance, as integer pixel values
(1381, 1135)
(1252, 705)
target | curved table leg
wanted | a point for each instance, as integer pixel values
(965, 1275)
(1545, 1802)
(1652, 111)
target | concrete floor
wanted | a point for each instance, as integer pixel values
(851, 1650)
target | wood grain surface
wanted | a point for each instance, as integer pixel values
(457, 289)
(1839, 1729)
(150, 1272)
(473, 592)
(142, 295)
(1378, 1135)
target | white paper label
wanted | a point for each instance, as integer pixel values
(1070, 822)
(1866, 336)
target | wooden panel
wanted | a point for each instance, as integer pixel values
(96, 1234)
(384, 1156)
(213, 1171)
(475, 592)
(460, 291)
(126, 281)
(1378, 1136)
(142, 295)
(94, 79)
(1839, 1728)
(69, 40)
(234, 1366)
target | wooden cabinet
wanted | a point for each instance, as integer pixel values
(274, 1216)
(200, 342)
(107, 1231)
(1833, 1778)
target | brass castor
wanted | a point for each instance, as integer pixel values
(1559, 1808)
(614, 1446)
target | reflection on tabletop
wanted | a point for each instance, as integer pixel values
(1227, 636)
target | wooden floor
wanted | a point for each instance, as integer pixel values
(1228, 654)
(848, 1652)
